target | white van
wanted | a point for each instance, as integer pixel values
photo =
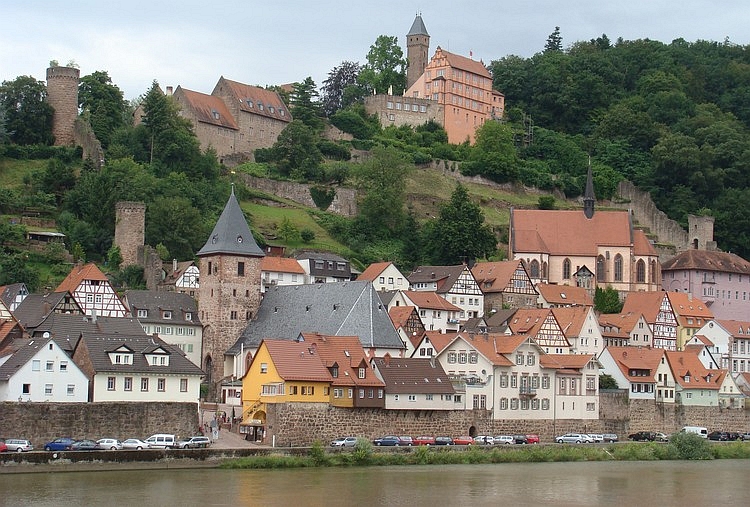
(698, 430)
(161, 441)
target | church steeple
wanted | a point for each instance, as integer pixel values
(588, 195)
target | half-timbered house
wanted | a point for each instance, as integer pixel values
(92, 291)
(455, 284)
(505, 284)
(542, 325)
(657, 309)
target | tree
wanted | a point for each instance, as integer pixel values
(386, 67)
(102, 102)
(174, 222)
(296, 151)
(494, 154)
(554, 41)
(288, 231)
(341, 88)
(607, 300)
(305, 106)
(459, 234)
(28, 116)
(15, 268)
(607, 382)
(114, 257)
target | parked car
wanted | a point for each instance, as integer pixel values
(443, 441)
(504, 440)
(661, 437)
(520, 439)
(389, 440)
(598, 438)
(484, 440)
(344, 442)
(134, 443)
(735, 435)
(746, 435)
(574, 438)
(197, 442)
(3, 447)
(161, 441)
(84, 445)
(610, 437)
(463, 440)
(18, 445)
(532, 439)
(642, 436)
(111, 444)
(59, 444)
(424, 440)
(405, 440)
(722, 436)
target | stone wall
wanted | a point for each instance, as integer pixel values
(130, 230)
(42, 422)
(84, 136)
(344, 203)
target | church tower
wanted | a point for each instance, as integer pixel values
(229, 288)
(417, 47)
(588, 195)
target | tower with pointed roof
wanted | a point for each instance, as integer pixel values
(230, 292)
(417, 49)
(588, 195)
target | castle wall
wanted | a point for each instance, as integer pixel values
(344, 203)
(130, 230)
(399, 110)
(62, 95)
(83, 136)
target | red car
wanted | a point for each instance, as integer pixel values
(424, 440)
(532, 439)
(463, 440)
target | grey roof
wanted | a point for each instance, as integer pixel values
(403, 375)
(99, 345)
(20, 357)
(154, 302)
(66, 329)
(37, 307)
(231, 234)
(449, 274)
(9, 292)
(336, 309)
(498, 321)
(418, 28)
(386, 296)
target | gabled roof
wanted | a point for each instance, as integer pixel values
(566, 361)
(342, 308)
(256, 95)
(737, 328)
(439, 340)
(156, 302)
(373, 271)
(571, 319)
(646, 303)
(413, 375)
(37, 307)
(400, 315)
(20, 357)
(431, 300)
(281, 265)
(231, 234)
(494, 347)
(444, 276)
(100, 345)
(707, 260)
(418, 28)
(685, 305)
(528, 321)
(295, 361)
(173, 274)
(495, 276)
(498, 321)
(66, 329)
(625, 322)
(8, 293)
(702, 340)
(564, 295)
(78, 274)
(207, 108)
(636, 358)
(461, 62)
(347, 353)
(689, 372)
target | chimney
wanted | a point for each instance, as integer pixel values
(169, 91)
(174, 265)
(93, 315)
(387, 360)
(432, 361)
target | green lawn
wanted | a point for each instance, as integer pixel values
(13, 171)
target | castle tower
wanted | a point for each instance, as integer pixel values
(130, 230)
(417, 47)
(62, 95)
(701, 233)
(229, 291)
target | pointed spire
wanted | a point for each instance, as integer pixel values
(418, 28)
(231, 234)
(588, 196)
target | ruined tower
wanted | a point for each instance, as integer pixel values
(417, 47)
(62, 95)
(130, 227)
(229, 288)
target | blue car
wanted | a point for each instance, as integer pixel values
(59, 444)
(387, 441)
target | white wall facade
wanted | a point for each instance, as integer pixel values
(173, 387)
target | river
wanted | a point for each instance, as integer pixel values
(660, 483)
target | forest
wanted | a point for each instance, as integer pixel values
(672, 118)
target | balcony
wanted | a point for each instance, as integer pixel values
(527, 392)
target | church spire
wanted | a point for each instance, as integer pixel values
(588, 196)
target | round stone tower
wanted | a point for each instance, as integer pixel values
(417, 47)
(62, 95)
(130, 230)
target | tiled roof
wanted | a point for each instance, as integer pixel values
(281, 265)
(567, 361)
(705, 260)
(494, 347)
(445, 276)
(566, 295)
(156, 302)
(207, 108)
(685, 305)
(431, 300)
(689, 372)
(341, 308)
(66, 329)
(37, 307)
(9, 292)
(295, 360)
(642, 302)
(498, 321)
(466, 64)
(623, 321)
(400, 315)
(704, 340)
(347, 353)
(413, 375)
(571, 319)
(231, 234)
(737, 328)
(439, 340)
(373, 271)
(257, 95)
(99, 345)
(528, 320)
(78, 274)
(638, 358)
(495, 276)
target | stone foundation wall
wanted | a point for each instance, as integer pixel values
(344, 203)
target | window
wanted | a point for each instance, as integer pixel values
(566, 269)
(71, 389)
(462, 357)
(63, 366)
(98, 299)
(534, 269)
(361, 372)
(545, 382)
(36, 365)
(50, 366)
(144, 384)
(503, 403)
(473, 357)
(26, 389)
(128, 384)
(600, 272)
(514, 381)
(590, 407)
(618, 268)
(451, 357)
(161, 385)
(514, 403)
(519, 359)
(530, 359)
(361, 393)
(264, 367)
(110, 383)
(48, 389)
(167, 314)
(640, 271)
(240, 269)
(545, 404)
(504, 380)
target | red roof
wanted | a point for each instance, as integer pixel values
(495, 276)
(431, 300)
(294, 360)
(281, 265)
(637, 358)
(78, 274)
(207, 108)
(564, 295)
(690, 373)
(373, 271)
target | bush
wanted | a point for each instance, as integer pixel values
(307, 235)
(334, 150)
(546, 202)
(690, 446)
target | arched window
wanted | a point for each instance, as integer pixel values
(600, 271)
(618, 268)
(566, 269)
(652, 274)
(208, 366)
(640, 271)
(534, 269)
(544, 270)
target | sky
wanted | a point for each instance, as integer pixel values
(193, 43)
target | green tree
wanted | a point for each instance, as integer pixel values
(174, 222)
(494, 154)
(114, 257)
(288, 231)
(554, 41)
(386, 67)
(28, 116)
(296, 152)
(305, 106)
(607, 382)
(459, 234)
(15, 268)
(341, 89)
(607, 300)
(102, 102)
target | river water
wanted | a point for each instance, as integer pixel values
(661, 483)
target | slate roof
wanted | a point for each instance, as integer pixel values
(705, 260)
(37, 307)
(9, 292)
(231, 234)
(155, 302)
(342, 309)
(66, 329)
(418, 28)
(445, 276)
(564, 295)
(99, 345)
(20, 357)
(413, 375)
(78, 274)
(498, 321)
(208, 108)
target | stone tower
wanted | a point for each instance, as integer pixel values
(130, 230)
(417, 48)
(588, 195)
(62, 95)
(229, 291)
(701, 233)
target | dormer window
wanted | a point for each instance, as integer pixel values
(361, 372)
(260, 106)
(142, 314)
(249, 103)
(188, 316)
(687, 379)
(335, 371)
(215, 114)
(282, 112)
(271, 109)
(167, 314)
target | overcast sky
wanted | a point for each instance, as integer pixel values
(192, 43)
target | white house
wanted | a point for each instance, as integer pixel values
(385, 276)
(280, 271)
(415, 384)
(581, 328)
(437, 313)
(455, 284)
(644, 372)
(41, 371)
(731, 341)
(92, 291)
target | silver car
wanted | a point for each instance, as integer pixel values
(574, 438)
(111, 444)
(18, 445)
(344, 442)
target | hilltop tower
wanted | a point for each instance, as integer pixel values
(130, 230)
(229, 291)
(417, 48)
(701, 233)
(588, 196)
(62, 95)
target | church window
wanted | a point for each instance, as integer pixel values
(600, 271)
(534, 268)
(566, 269)
(640, 271)
(618, 268)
